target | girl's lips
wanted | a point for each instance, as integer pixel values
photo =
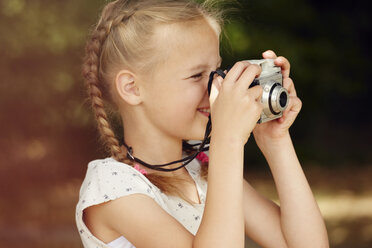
(204, 111)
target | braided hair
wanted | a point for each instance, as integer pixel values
(122, 39)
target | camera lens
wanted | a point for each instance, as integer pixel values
(283, 99)
(278, 99)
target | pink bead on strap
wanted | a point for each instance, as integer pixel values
(202, 157)
(142, 171)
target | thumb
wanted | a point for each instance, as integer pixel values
(215, 89)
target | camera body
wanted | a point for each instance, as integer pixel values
(275, 97)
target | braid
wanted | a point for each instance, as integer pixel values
(113, 46)
(91, 74)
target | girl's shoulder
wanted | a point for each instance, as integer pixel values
(107, 179)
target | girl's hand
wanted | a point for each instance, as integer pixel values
(274, 130)
(235, 109)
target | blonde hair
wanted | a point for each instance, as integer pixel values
(122, 38)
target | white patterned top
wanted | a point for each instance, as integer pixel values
(108, 179)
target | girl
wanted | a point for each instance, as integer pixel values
(150, 60)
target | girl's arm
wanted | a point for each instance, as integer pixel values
(223, 220)
(235, 111)
(300, 217)
(298, 221)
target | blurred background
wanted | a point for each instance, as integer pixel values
(48, 134)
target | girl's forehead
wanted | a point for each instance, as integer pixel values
(187, 43)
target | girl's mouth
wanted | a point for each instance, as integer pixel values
(205, 111)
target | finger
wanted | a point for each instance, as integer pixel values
(236, 71)
(256, 93)
(217, 82)
(289, 85)
(281, 119)
(248, 76)
(284, 64)
(215, 90)
(269, 54)
(294, 106)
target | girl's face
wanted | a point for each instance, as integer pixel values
(175, 97)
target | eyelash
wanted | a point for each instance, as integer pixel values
(199, 75)
(196, 76)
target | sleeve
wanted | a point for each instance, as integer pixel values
(108, 180)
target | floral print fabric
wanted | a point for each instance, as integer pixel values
(107, 180)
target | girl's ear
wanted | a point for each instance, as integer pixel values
(127, 88)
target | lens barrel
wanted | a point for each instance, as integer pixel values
(278, 99)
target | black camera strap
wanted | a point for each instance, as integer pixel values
(197, 148)
(219, 72)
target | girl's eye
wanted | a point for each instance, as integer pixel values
(197, 76)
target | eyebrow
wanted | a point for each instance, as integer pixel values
(204, 66)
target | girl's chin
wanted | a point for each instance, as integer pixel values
(198, 128)
(199, 136)
(196, 137)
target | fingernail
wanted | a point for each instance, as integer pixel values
(219, 79)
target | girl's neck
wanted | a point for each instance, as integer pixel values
(155, 150)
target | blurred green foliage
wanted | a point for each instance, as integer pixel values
(328, 47)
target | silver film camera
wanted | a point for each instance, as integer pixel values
(275, 97)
